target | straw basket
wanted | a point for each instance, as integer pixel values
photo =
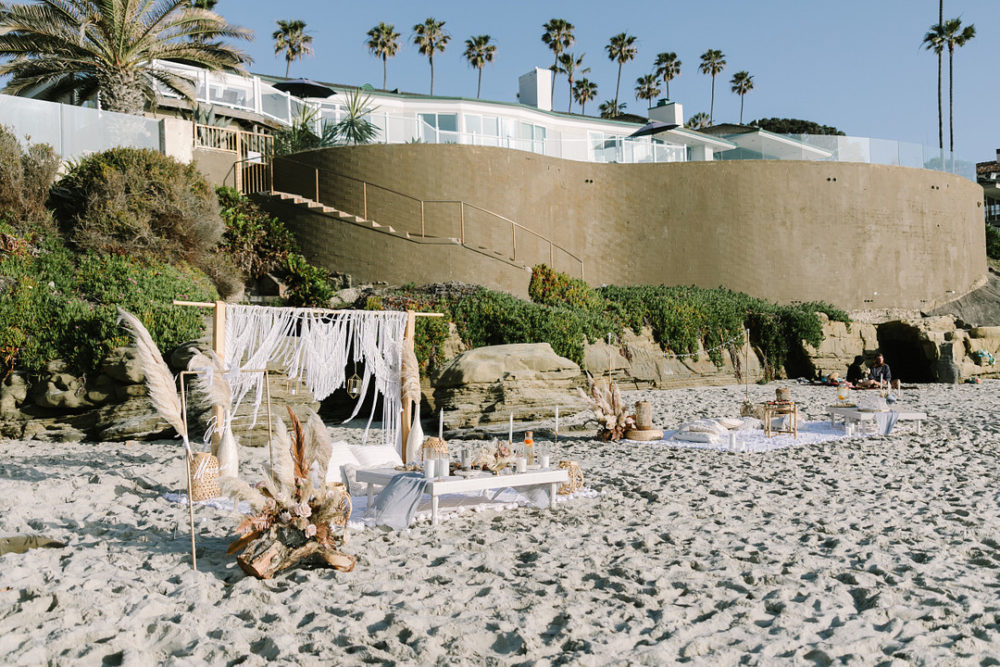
(575, 482)
(204, 477)
(434, 448)
(644, 416)
(343, 500)
(783, 394)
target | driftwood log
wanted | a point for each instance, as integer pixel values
(277, 550)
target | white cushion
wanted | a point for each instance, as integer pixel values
(730, 422)
(376, 456)
(705, 426)
(697, 436)
(340, 455)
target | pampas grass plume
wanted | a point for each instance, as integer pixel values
(283, 473)
(159, 380)
(237, 489)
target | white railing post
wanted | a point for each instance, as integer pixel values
(256, 95)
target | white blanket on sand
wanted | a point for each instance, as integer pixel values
(754, 440)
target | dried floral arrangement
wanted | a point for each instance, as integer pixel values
(294, 510)
(496, 456)
(605, 400)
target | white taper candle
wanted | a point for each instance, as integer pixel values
(441, 424)
(510, 435)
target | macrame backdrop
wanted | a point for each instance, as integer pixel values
(314, 346)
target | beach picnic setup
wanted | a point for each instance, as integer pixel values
(301, 511)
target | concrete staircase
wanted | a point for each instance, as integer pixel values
(342, 216)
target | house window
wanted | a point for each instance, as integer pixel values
(482, 130)
(532, 138)
(439, 128)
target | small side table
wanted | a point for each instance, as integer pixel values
(783, 409)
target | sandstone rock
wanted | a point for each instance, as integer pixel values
(13, 391)
(60, 391)
(101, 390)
(123, 366)
(181, 355)
(48, 431)
(56, 366)
(124, 392)
(486, 384)
(985, 332)
(840, 346)
(134, 419)
(646, 365)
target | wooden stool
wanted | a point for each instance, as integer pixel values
(783, 409)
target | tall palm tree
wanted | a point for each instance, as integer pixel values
(934, 41)
(569, 64)
(611, 108)
(429, 37)
(668, 68)
(584, 90)
(479, 51)
(646, 88)
(698, 121)
(83, 47)
(621, 49)
(954, 36)
(383, 42)
(558, 36)
(292, 39)
(713, 62)
(742, 83)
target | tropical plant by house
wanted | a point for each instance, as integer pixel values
(558, 36)
(713, 62)
(292, 39)
(621, 49)
(109, 48)
(479, 52)
(742, 83)
(383, 42)
(302, 134)
(570, 65)
(354, 127)
(612, 108)
(584, 91)
(668, 68)
(430, 36)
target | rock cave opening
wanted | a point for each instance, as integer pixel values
(909, 354)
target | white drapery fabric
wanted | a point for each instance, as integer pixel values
(316, 346)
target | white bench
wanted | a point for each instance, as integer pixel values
(553, 477)
(854, 415)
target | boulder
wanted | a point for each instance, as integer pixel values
(45, 430)
(486, 384)
(841, 346)
(122, 365)
(13, 391)
(179, 358)
(135, 419)
(639, 362)
(60, 391)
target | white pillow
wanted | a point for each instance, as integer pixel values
(340, 455)
(698, 436)
(376, 456)
(705, 426)
(730, 422)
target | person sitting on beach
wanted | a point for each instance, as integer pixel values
(879, 375)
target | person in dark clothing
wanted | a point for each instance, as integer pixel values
(878, 375)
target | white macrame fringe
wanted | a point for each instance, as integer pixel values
(315, 347)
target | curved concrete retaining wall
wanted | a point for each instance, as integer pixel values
(856, 235)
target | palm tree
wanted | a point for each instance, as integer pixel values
(584, 90)
(713, 62)
(668, 68)
(383, 42)
(953, 35)
(698, 121)
(558, 36)
(621, 49)
(611, 108)
(742, 83)
(479, 51)
(934, 41)
(88, 47)
(569, 65)
(291, 37)
(645, 88)
(429, 37)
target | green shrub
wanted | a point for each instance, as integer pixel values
(551, 288)
(62, 306)
(430, 332)
(256, 242)
(308, 285)
(141, 203)
(992, 241)
(25, 178)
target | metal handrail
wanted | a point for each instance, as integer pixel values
(422, 202)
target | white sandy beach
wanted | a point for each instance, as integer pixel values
(883, 550)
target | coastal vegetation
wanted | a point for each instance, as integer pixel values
(566, 313)
(793, 126)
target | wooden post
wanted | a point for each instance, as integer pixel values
(219, 346)
(408, 335)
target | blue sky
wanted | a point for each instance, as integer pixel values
(856, 65)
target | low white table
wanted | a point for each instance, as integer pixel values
(855, 415)
(553, 477)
